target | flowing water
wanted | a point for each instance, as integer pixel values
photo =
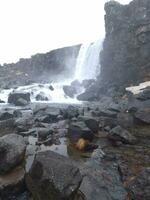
(87, 67)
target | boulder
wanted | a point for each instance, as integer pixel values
(87, 83)
(79, 130)
(12, 150)
(23, 124)
(125, 120)
(51, 88)
(108, 121)
(91, 122)
(118, 134)
(144, 94)
(44, 133)
(47, 114)
(12, 184)
(5, 115)
(69, 112)
(19, 98)
(7, 126)
(53, 176)
(101, 179)
(1, 101)
(69, 91)
(143, 117)
(41, 97)
(139, 186)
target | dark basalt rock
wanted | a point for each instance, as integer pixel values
(118, 134)
(125, 57)
(12, 184)
(101, 179)
(144, 94)
(91, 122)
(125, 120)
(1, 101)
(44, 133)
(69, 91)
(6, 115)
(70, 112)
(41, 97)
(140, 185)
(79, 130)
(143, 117)
(12, 150)
(19, 98)
(53, 176)
(40, 67)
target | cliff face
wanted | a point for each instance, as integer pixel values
(125, 59)
(40, 67)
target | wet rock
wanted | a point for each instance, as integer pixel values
(101, 178)
(69, 91)
(144, 94)
(1, 101)
(87, 83)
(12, 184)
(143, 117)
(91, 122)
(107, 113)
(125, 120)
(118, 134)
(69, 112)
(53, 176)
(12, 150)
(30, 132)
(21, 102)
(107, 121)
(17, 113)
(41, 97)
(139, 186)
(79, 130)
(23, 124)
(89, 95)
(47, 114)
(7, 126)
(44, 133)
(51, 88)
(5, 115)
(19, 99)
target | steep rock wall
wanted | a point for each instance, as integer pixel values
(125, 59)
(40, 67)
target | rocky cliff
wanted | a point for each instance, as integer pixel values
(40, 67)
(125, 59)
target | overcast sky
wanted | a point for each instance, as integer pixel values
(28, 27)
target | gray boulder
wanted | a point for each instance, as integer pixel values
(143, 117)
(53, 176)
(79, 130)
(12, 150)
(101, 179)
(19, 98)
(140, 185)
(118, 134)
(12, 184)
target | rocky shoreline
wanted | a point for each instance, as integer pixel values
(110, 162)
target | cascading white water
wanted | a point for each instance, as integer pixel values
(87, 67)
(88, 61)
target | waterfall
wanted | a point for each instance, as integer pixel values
(88, 61)
(87, 67)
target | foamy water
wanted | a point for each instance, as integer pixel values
(87, 67)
